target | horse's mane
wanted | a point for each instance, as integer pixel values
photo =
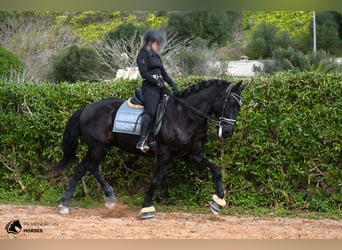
(201, 85)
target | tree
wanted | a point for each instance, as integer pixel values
(327, 32)
(217, 27)
(338, 18)
(179, 24)
(265, 39)
(121, 53)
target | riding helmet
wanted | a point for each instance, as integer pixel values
(154, 35)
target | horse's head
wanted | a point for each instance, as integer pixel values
(227, 108)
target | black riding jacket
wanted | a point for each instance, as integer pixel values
(149, 64)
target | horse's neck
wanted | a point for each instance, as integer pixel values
(202, 100)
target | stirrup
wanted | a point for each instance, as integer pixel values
(143, 146)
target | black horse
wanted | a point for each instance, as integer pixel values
(182, 135)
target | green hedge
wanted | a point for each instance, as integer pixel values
(286, 150)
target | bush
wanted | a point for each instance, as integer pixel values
(286, 150)
(3, 16)
(265, 39)
(179, 24)
(75, 64)
(192, 60)
(296, 22)
(290, 59)
(127, 31)
(9, 63)
(215, 26)
(197, 59)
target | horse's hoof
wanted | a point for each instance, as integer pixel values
(110, 205)
(110, 200)
(148, 216)
(148, 213)
(63, 209)
(214, 207)
(216, 204)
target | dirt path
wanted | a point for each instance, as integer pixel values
(123, 224)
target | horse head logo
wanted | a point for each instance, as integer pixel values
(13, 227)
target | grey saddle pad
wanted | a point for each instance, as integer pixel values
(127, 120)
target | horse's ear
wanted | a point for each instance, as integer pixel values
(243, 86)
(239, 83)
(237, 86)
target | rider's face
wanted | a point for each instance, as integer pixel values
(155, 46)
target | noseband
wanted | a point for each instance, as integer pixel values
(222, 121)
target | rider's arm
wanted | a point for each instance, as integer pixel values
(167, 78)
(142, 61)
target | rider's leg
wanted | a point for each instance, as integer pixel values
(151, 100)
(145, 127)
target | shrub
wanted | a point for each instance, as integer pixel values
(286, 150)
(215, 26)
(190, 62)
(9, 63)
(178, 23)
(265, 39)
(290, 59)
(3, 16)
(127, 31)
(296, 22)
(195, 58)
(319, 61)
(75, 64)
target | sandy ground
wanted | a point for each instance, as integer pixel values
(120, 223)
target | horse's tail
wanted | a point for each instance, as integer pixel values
(71, 135)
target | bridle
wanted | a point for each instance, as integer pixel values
(222, 121)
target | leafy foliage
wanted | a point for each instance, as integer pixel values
(296, 22)
(90, 26)
(215, 26)
(286, 150)
(290, 59)
(9, 63)
(328, 38)
(266, 38)
(75, 64)
(129, 31)
(3, 16)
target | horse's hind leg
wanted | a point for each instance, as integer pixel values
(80, 171)
(96, 158)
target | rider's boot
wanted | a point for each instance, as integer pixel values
(145, 126)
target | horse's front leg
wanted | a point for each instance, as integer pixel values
(217, 202)
(163, 159)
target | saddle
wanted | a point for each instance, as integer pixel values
(127, 119)
(136, 101)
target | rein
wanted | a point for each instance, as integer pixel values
(221, 121)
(195, 110)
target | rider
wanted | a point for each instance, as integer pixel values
(154, 75)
